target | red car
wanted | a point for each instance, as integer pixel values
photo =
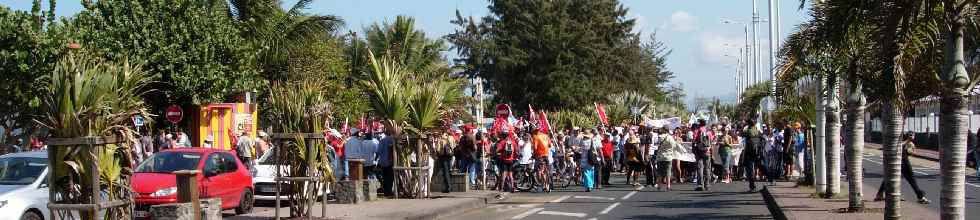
(222, 176)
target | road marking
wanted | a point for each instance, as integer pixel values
(627, 196)
(605, 211)
(594, 197)
(527, 213)
(593, 219)
(569, 214)
(563, 198)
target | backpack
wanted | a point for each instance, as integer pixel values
(592, 155)
(702, 145)
(508, 148)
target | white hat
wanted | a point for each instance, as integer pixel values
(263, 134)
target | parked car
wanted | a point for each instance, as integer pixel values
(222, 176)
(265, 178)
(23, 186)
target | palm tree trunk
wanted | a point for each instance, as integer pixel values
(832, 133)
(891, 118)
(819, 135)
(953, 115)
(854, 130)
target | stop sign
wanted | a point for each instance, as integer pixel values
(174, 114)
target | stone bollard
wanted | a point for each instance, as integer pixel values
(350, 191)
(211, 208)
(458, 181)
(173, 211)
(371, 187)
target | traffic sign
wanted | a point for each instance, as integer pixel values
(174, 114)
(138, 121)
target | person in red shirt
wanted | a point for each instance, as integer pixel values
(607, 156)
(507, 149)
(336, 142)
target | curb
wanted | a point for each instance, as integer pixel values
(441, 212)
(774, 209)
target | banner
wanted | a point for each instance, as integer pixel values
(545, 124)
(601, 110)
(684, 153)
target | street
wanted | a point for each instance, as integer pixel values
(620, 201)
(927, 176)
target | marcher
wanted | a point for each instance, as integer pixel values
(589, 160)
(908, 147)
(800, 147)
(506, 149)
(262, 144)
(634, 159)
(702, 151)
(386, 162)
(147, 144)
(369, 152)
(444, 152)
(665, 157)
(465, 153)
(607, 158)
(753, 140)
(648, 140)
(726, 141)
(542, 147)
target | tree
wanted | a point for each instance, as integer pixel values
(277, 33)
(29, 48)
(192, 49)
(403, 43)
(558, 54)
(956, 85)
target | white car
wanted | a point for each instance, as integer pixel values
(23, 186)
(264, 178)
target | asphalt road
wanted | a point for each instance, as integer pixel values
(927, 176)
(619, 201)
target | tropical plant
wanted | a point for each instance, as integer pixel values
(403, 43)
(92, 97)
(302, 107)
(621, 106)
(279, 32)
(751, 98)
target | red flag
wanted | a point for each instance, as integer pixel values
(361, 124)
(601, 110)
(545, 125)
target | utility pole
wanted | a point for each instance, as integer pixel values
(773, 46)
(755, 43)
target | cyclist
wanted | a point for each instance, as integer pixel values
(507, 148)
(542, 146)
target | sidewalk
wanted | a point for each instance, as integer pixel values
(919, 152)
(441, 205)
(799, 203)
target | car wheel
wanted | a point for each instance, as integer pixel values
(31, 215)
(245, 203)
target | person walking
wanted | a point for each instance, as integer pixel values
(607, 158)
(772, 155)
(665, 157)
(753, 140)
(702, 151)
(386, 162)
(976, 155)
(444, 152)
(590, 159)
(908, 147)
(648, 140)
(634, 159)
(726, 141)
(799, 149)
(506, 149)
(542, 147)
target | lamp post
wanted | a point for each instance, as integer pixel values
(748, 55)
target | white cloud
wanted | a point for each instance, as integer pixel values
(681, 21)
(714, 47)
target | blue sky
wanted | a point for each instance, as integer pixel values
(693, 29)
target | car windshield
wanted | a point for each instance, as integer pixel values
(21, 170)
(268, 158)
(170, 161)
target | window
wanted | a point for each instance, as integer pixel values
(230, 164)
(168, 162)
(213, 165)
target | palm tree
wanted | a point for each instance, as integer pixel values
(405, 44)
(91, 97)
(953, 131)
(277, 31)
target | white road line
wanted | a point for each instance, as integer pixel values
(605, 211)
(563, 198)
(593, 219)
(569, 214)
(527, 213)
(594, 197)
(627, 196)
